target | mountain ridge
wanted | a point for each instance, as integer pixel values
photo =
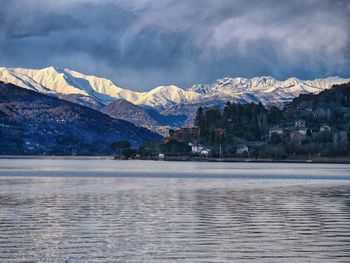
(103, 91)
(98, 93)
(142, 116)
(34, 123)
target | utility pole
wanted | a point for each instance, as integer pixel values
(220, 151)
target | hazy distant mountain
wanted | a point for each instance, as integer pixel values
(33, 123)
(122, 109)
(96, 92)
(143, 116)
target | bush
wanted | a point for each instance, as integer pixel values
(129, 153)
(276, 152)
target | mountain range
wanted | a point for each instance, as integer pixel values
(163, 106)
(143, 116)
(38, 124)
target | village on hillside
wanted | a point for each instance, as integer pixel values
(310, 127)
(295, 134)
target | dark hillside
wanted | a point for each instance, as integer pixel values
(33, 123)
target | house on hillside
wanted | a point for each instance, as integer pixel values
(325, 128)
(297, 135)
(188, 134)
(276, 130)
(205, 152)
(198, 149)
(303, 131)
(299, 124)
(219, 132)
(242, 149)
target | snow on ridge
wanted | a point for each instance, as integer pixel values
(68, 82)
(164, 95)
(265, 85)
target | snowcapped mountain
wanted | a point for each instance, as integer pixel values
(62, 82)
(96, 92)
(165, 96)
(266, 90)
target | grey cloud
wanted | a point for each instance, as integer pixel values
(43, 25)
(297, 28)
(143, 43)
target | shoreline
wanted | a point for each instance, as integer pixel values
(334, 160)
(339, 160)
(54, 157)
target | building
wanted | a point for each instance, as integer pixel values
(188, 134)
(242, 149)
(325, 128)
(297, 135)
(300, 124)
(219, 132)
(205, 152)
(303, 131)
(199, 149)
(173, 135)
(275, 130)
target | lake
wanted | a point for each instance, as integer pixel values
(155, 211)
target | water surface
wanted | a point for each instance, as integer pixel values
(144, 211)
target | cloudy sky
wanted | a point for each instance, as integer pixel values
(140, 44)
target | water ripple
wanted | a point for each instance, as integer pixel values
(74, 219)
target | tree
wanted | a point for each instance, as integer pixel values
(275, 115)
(175, 148)
(199, 117)
(275, 138)
(199, 121)
(149, 149)
(119, 146)
(129, 153)
(308, 133)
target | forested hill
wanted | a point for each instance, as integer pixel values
(338, 96)
(37, 124)
(331, 107)
(318, 124)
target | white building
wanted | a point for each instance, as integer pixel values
(205, 152)
(276, 130)
(325, 128)
(242, 149)
(199, 149)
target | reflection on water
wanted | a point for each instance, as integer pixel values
(135, 219)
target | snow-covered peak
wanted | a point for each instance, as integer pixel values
(76, 86)
(53, 79)
(264, 85)
(292, 81)
(163, 96)
(66, 81)
(230, 86)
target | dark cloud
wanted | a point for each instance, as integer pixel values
(144, 43)
(42, 25)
